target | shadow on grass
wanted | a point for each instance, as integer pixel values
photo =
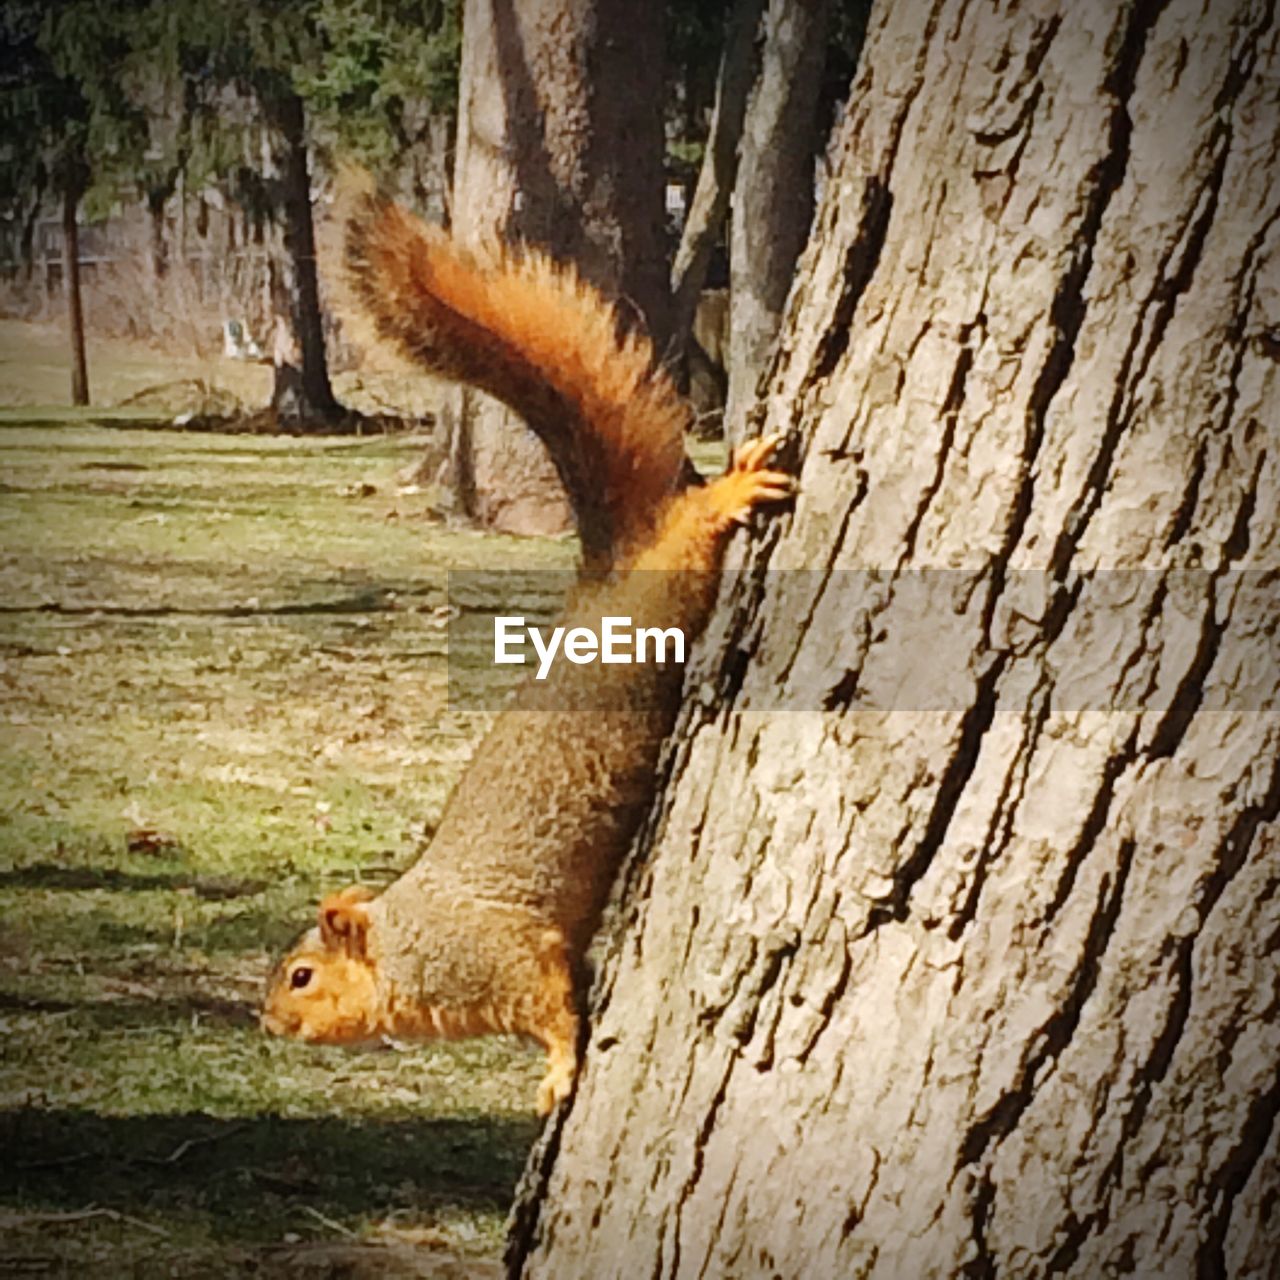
(46, 875)
(375, 598)
(78, 879)
(99, 1014)
(257, 1171)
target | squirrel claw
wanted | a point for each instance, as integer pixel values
(752, 455)
(749, 484)
(556, 1086)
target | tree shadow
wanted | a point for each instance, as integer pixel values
(99, 1013)
(255, 1171)
(246, 926)
(48, 875)
(354, 602)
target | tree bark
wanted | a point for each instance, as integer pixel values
(952, 946)
(559, 145)
(303, 395)
(773, 198)
(71, 284)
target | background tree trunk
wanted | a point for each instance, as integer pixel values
(975, 971)
(773, 198)
(566, 154)
(71, 194)
(302, 394)
(710, 201)
(157, 239)
(30, 219)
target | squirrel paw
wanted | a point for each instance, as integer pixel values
(556, 1086)
(749, 483)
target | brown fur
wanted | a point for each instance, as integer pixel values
(487, 932)
(528, 331)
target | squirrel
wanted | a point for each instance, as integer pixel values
(487, 932)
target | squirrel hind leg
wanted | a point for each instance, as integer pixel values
(552, 1018)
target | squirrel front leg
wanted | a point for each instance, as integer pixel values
(693, 529)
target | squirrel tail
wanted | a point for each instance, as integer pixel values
(512, 323)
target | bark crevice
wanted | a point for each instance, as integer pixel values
(1149, 328)
(1002, 818)
(1055, 1034)
(859, 265)
(949, 412)
(1068, 306)
(963, 759)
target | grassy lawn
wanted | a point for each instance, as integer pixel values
(132, 380)
(35, 372)
(223, 679)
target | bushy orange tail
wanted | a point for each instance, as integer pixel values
(513, 324)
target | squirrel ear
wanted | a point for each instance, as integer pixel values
(344, 921)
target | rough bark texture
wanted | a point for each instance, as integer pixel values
(773, 198)
(982, 979)
(559, 144)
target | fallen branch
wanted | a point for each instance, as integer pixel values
(73, 1216)
(329, 1222)
(188, 1145)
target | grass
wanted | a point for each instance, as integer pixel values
(35, 372)
(130, 380)
(223, 695)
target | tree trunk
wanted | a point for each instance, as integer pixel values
(157, 246)
(303, 395)
(71, 284)
(773, 198)
(710, 201)
(30, 217)
(559, 144)
(434, 167)
(968, 964)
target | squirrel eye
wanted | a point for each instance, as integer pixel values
(300, 977)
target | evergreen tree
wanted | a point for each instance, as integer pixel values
(68, 124)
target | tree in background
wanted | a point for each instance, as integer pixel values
(27, 86)
(248, 98)
(773, 196)
(559, 145)
(967, 963)
(144, 102)
(704, 221)
(324, 65)
(259, 49)
(67, 123)
(344, 67)
(384, 92)
(525, 171)
(781, 72)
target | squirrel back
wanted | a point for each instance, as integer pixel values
(488, 930)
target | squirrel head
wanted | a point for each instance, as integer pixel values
(325, 989)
